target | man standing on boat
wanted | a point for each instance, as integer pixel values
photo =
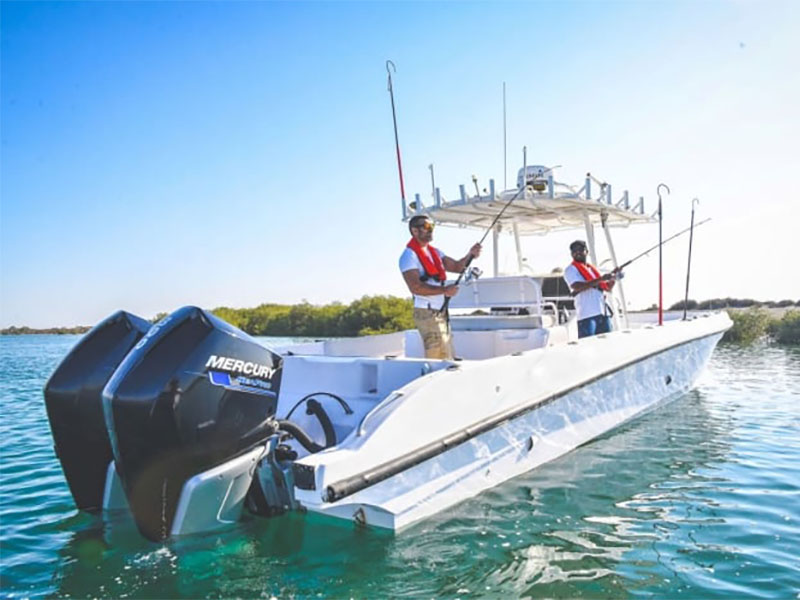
(423, 268)
(589, 288)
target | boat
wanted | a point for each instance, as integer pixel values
(188, 422)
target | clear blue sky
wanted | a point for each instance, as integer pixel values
(162, 154)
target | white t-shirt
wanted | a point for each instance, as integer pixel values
(589, 302)
(408, 262)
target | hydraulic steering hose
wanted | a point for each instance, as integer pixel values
(301, 436)
(312, 408)
(315, 408)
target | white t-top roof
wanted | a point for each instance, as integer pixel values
(553, 207)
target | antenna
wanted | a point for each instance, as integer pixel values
(524, 167)
(505, 167)
(433, 183)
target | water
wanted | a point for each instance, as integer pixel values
(698, 499)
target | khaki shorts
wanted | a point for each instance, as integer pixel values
(435, 333)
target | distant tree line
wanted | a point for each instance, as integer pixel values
(57, 330)
(386, 314)
(365, 316)
(716, 303)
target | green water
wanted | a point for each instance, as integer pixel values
(698, 499)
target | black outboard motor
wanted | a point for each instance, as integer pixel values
(75, 406)
(194, 393)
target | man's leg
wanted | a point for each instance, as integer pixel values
(435, 334)
(586, 327)
(603, 324)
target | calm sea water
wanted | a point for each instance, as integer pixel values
(698, 499)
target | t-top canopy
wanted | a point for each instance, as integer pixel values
(542, 207)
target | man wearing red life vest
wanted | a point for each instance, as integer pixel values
(424, 270)
(589, 288)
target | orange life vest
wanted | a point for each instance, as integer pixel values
(434, 269)
(590, 273)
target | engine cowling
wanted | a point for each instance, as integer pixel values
(192, 394)
(74, 405)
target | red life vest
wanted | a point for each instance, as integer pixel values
(433, 268)
(589, 273)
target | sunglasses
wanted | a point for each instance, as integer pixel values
(426, 226)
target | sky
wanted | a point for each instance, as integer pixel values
(159, 154)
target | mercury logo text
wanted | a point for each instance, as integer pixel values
(234, 365)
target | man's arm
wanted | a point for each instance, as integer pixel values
(582, 286)
(420, 288)
(457, 266)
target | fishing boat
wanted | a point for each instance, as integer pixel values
(188, 422)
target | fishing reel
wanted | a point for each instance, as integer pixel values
(473, 273)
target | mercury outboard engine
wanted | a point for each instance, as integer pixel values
(75, 407)
(194, 393)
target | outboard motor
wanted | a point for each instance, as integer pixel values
(75, 407)
(193, 394)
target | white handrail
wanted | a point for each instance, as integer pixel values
(551, 305)
(379, 407)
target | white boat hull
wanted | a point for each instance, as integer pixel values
(541, 422)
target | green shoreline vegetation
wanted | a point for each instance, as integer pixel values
(756, 323)
(778, 322)
(366, 316)
(752, 320)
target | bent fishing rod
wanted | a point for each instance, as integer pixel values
(649, 250)
(480, 243)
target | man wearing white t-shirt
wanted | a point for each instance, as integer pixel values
(589, 288)
(424, 270)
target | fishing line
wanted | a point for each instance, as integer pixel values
(480, 243)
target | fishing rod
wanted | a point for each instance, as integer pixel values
(396, 139)
(660, 253)
(669, 239)
(649, 250)
(480, 243)
(689, 264)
